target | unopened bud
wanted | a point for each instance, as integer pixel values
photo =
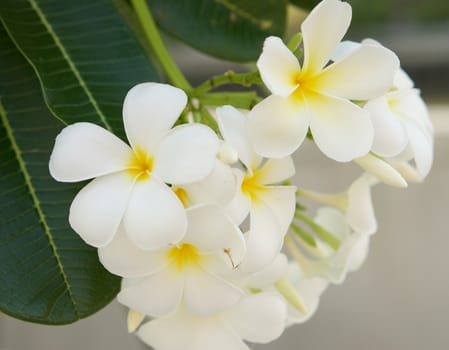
(227, 153)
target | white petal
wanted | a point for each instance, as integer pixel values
(278, 67)
(238, 208)
(232, 125)
(83, 151)
(216, 336)
(264, 240)
(270, 274)
(282, 202)
(341, 130)
(349, 257)
(277, 126)
(218, 187)
(333, 221)
(149, 111)
(310, 290)
(156, 295)
(322, 30)
(205, 293)
(422, 148)
(366, 73)
(171, 333)
(402, 80)
(359, 254)
(381, 169)
(259, 318)
(360, 211)
(209, 229)
(98, 208)
(155, 216)
(276, 170)
(123, 258)
(345, 48)
(187, 154)
(389, 133)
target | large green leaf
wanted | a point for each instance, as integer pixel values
(228, 29)
(84, 54)
(47, 273)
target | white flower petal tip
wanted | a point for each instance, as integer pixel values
(289, 292)
(97, 210)
(134, 320)
(83, 151)
(277, 126)
(227, 153)
(341, 130)
(322, 30)
(360, 212)
(155, 217)
(210, 230)
(277, 65)
(149, 111)
(216, 293)
(123, 258)
(382, 170)
(186, 154)
(258, 318)
(233, 127)
(367, 72)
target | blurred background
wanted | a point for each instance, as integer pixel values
(399, 299)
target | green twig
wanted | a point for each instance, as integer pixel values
(246, 100)
(152, 34)
(243, 79)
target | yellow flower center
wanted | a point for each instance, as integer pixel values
(183, 196)
(183, 255)
(140, 165)
(252, 187)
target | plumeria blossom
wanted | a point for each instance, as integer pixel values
(258, 318)
(130, 185)
(324, 261)
(402, 127)
(270, 207)
(318, 96)
(188, 271)
(403, 130)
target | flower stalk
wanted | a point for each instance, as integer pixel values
(154, 39)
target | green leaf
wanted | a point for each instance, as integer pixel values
(47, 273)
(228, 29)
(84, 55)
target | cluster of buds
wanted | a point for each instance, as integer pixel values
(205, 229)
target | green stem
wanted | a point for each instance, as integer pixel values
(152, 34)
(320, 231)
(246, 100)
(244, 79)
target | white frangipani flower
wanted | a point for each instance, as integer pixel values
(130, 182)
(188, 271)
(403, 130)
(324, 261)
(316, 95)
(258, 318)
(271, 207)
(402, 127)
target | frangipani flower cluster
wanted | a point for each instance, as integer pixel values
(206, 229)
